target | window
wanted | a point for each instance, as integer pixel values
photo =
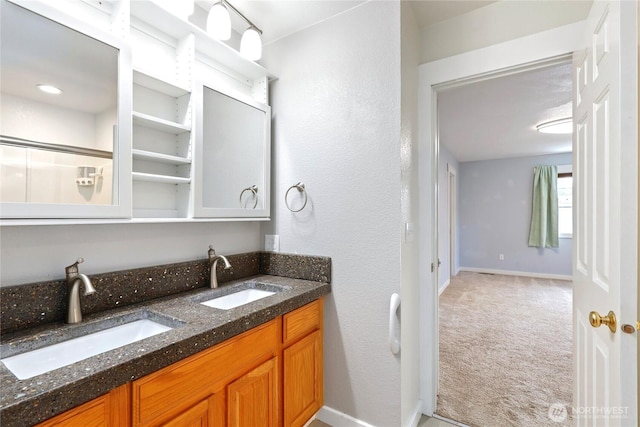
(565, 205)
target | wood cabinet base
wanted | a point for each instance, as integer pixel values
(266, 377)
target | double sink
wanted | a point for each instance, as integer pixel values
(84, 341)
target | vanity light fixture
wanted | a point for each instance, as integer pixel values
(49, 89)
(251, 44)
(219, 22)
(219, 27)
(560, 127)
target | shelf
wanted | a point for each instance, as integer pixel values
(154, 15)
(159, 157)
(155, 213)
(156, 123)
(163, 179)
(135, 220)
(145, 79)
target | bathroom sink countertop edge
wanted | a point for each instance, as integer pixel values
(197, 327)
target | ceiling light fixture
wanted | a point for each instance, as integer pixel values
(219, 27)
(560, 127)
(219, 22)
(49, 89)
(251, 44)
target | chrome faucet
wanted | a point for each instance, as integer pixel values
(74, 313)
(213, 263)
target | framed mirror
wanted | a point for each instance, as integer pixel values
(233, 155)
(65, 105)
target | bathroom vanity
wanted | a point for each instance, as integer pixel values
(254, 364)
(270, 375)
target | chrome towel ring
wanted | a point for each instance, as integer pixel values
(300, 187)
(254, 191)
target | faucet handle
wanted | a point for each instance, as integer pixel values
(73, 268)
(211, 252)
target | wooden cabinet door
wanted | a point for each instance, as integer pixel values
(111, 409)
(303, 382)
(196, 416)
(252, 400)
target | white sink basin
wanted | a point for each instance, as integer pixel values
(36, 362)
(237, 299)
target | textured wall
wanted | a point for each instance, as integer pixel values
(498, 22)
(495, 215)
(336, 109)
(444, 250)
(38, 253)
(409, 202)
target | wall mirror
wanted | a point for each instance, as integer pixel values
(65, 104)
(233, 154)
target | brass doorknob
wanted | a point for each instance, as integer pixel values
(610, 320)
(629, 329)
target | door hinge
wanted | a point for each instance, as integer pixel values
(432, 268)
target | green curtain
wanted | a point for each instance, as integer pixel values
(544, 217)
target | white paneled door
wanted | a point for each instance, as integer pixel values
(606, 223)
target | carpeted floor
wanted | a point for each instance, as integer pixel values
(505, 350)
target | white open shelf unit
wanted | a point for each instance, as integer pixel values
(162, 147)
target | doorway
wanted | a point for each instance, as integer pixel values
(602, 356)
(541, 49)
(504, 282)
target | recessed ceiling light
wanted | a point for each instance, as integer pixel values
(561, 127)
(50, 89)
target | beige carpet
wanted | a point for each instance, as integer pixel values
(505, 350)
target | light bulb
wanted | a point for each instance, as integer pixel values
(219, 22)
(251, 44)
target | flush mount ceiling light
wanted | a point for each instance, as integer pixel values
(560, 127)
(49, 89)
(219, 27)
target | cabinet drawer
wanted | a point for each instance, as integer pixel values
(301, 322)
(165, 393)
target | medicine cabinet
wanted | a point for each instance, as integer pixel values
(66, 106)
(232, 155)
(160, 151)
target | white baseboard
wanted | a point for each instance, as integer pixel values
(517, 273)
(444, 286)
(339, 419)
(417, 414)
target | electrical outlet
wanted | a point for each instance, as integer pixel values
(501, 257)
(272, 243)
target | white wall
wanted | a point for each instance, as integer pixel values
(39, 176)
(410, 385)
(28, 119)
(444, 250)
(496, 23)
(35, 253)
(336, 126)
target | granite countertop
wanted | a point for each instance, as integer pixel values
(196, 327)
